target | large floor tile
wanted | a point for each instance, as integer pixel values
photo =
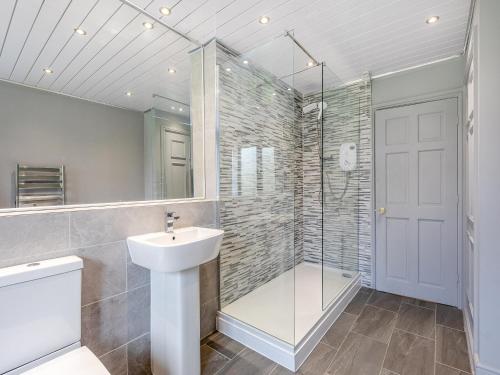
(224, 345)
(211, 360)
(419, 302)
(409, 354)
(418, 320)
(318, 361)
(357, 303)
(249, 362)
(445, 370)
(358, 355)
(450, 317)
(451, 348)
(339, 330)
(384, 300)
(375, 323)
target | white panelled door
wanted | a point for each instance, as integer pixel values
(417, 200)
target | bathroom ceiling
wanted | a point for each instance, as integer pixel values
(119, 55)
(350, 36)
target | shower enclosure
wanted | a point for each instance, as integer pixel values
(289, 139)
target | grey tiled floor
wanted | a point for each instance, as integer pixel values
(377, 334)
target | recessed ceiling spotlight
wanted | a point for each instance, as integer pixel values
(172, 107)
(171, 70)
(80, 31)
(48, 71)
(310, 63)
(274, 94)
(264, 19)
(228, 69)
(245, 62)
(148, 25)
(180, 110)
(128, 93)
(289, 89)
(432, 19)
(165, 11)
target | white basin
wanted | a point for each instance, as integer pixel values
(172, 252)
(174, 260)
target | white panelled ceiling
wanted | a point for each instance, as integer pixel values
(118, 55)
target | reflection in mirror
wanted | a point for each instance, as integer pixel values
(100, 108)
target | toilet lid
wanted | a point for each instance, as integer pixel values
(80, 361)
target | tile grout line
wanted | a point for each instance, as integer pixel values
(455, 329)
(414, 334)
(454, 368)
(389, 343)
(231, 360)
(345, 338)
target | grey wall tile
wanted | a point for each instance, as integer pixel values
(104, 272)
(116, 361)
(29, 235)
(208, 313)
(136, 275)
(138, 311)
(139, 356)
(104, 324)
(93, 227)
(209, 281)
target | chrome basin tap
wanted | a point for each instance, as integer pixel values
(169, 221)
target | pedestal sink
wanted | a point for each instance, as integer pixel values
(174, 259)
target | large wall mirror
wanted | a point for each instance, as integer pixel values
(100, 101)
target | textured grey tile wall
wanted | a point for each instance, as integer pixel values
(259, 199)
(346, 210)
(259, 163)
(115, 292)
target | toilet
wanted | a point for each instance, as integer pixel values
(40, 320)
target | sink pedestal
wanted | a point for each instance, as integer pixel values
(175, 322)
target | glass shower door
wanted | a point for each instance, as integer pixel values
(340, 179)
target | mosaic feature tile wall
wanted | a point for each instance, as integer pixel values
(258, 187)
(346, 195)
(269, 183)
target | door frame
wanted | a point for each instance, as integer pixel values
(441, 95)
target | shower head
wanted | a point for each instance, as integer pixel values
(313, 106)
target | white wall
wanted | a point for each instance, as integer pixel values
(487, 316)
(101, 146)
(439, 77)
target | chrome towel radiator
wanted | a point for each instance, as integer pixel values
(39, 186)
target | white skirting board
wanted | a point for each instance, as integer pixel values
(287, 355)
